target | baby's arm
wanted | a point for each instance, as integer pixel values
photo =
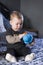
(12, 39)
(15, 38)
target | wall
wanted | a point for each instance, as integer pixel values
(33, 9)
(12, 4)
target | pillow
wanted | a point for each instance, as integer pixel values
(2, 28)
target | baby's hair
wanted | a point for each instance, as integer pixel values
(17, 14)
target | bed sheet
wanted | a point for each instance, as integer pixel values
(37, 49)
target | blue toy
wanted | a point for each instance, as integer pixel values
(28, 38)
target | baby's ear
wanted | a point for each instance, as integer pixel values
(10, 22)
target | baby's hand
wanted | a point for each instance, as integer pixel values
(32, 43)
(25, 32)
(21, 35)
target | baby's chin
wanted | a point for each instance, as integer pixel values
(18, 30)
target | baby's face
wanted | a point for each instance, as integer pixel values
(16, 24)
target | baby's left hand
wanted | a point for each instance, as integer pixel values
(32, 43)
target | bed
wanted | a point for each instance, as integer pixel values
(37, 48)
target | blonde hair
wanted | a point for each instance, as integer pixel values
(17, 14)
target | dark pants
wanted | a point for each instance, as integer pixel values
(18, 49)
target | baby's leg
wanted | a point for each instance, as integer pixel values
(10, 58)
(26, 52)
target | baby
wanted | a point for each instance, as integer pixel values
(15, 45)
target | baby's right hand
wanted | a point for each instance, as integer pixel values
(21, 35)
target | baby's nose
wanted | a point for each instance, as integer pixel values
(19, 26)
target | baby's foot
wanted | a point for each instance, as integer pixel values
(10, 58)
(30, 57)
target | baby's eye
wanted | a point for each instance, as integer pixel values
(17, 24)
(21, 23)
